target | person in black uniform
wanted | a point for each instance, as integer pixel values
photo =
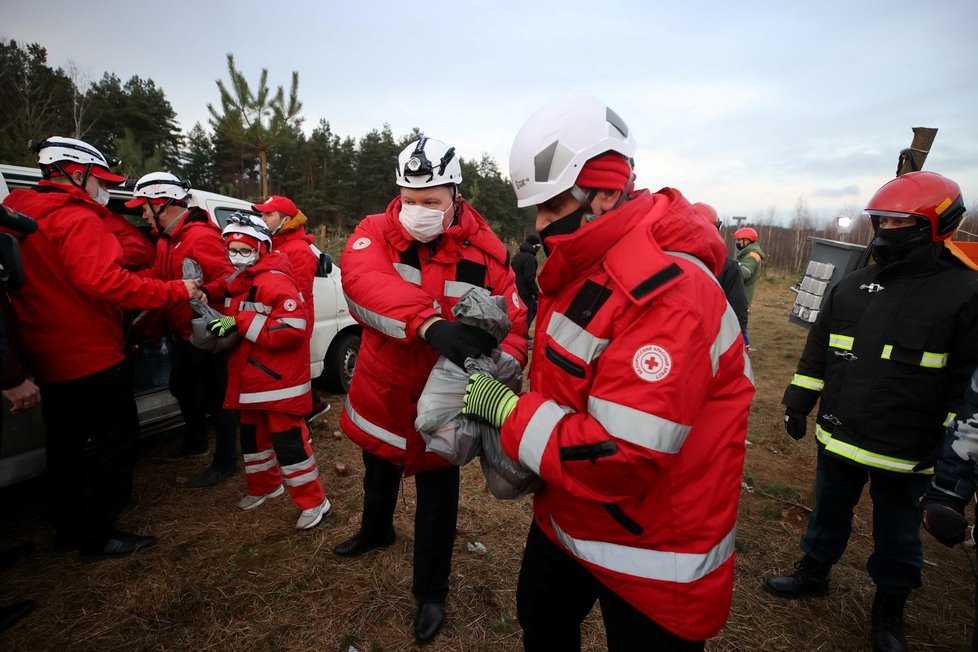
(525, 268)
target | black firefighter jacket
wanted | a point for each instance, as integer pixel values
(890, 354)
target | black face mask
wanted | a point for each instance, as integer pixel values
(892, 245)
(740, 245)
(565, 225)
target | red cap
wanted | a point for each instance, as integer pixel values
(244, 237)
(138, 201)
(97, 171)
(278, 203)
(609, 171)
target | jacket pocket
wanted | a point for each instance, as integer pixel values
(569, 366)
(590, 452)
(265, 369)
(623, 519)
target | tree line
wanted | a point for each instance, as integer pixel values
(254, 144)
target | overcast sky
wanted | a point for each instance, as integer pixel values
(744, 105)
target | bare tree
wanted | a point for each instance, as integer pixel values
(80, 97)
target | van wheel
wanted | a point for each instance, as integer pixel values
(341, 359)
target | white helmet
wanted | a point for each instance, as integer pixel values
(427, 163)
(555, 142)
(249, 225)
(159, 185)
(58, 149)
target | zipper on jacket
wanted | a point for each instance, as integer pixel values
(572, 368)
(623, 520)
(265, 369)
(590, 452)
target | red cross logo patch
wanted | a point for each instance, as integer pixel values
(652, 363)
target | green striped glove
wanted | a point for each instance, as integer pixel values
(488, 399)
(223, 326)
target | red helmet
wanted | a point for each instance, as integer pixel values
(707, 212)
(747, 233)
(923, 195)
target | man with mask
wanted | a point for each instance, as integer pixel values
(199, 378)
(640, 391)
(403, 271)
(889, 357)
(69, 315)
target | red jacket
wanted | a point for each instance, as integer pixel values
(638, 414)
(392, 285)
(293, 241)
(196, 237)
(269, 368)
(137, 250)
(69, 311)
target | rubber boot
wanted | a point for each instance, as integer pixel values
(811, 578)
(887, 622)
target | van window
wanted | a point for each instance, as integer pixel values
(222, 213)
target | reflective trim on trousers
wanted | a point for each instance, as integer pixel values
(808, 382)
(275, 394)
(259, 456)
(386, 325)
(661, 565)
(305, 478)
(575, 339)
(373, 430)
(304, 465)
(255, 329)
(408, 273)
(537, 433)
(866, 457)
(638, 427)
(264, 466)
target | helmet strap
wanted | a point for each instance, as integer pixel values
(160, 231)
(584, 201)
(71, 180)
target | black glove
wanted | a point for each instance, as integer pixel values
(457, 341)
(943, 516)
(795, 424)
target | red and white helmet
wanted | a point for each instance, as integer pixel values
(65, 155)
(246, 226)
(923, 195)
(427, 163)
(159, 188)
(745, 233)
(555, 142)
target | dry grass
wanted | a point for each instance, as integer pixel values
(225, 579)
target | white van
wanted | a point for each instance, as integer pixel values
(333, 355)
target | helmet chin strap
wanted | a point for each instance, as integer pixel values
(584, 201)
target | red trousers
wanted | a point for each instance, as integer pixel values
(276, 448)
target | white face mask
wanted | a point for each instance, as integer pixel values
(423, 224)
(101, 195)
(239, 260)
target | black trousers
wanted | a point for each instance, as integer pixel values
(434, 521)
(555, 594)
(199, 381)
(90, 486)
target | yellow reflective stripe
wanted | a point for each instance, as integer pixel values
(927, 359)
(807, 382)
(843, 342)
(950, 418)
(865, 457)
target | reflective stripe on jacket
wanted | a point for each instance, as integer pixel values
(638, 411)
(392, 285)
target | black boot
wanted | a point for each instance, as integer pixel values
(811, 578)
(887, 622)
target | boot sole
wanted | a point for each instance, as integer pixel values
(795, 596)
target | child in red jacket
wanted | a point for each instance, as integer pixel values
(268, 372)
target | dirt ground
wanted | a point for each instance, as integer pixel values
(225, 579)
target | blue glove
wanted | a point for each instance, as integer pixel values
(223, 326)
(488, 400)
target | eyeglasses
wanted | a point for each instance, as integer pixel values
(241, 252)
